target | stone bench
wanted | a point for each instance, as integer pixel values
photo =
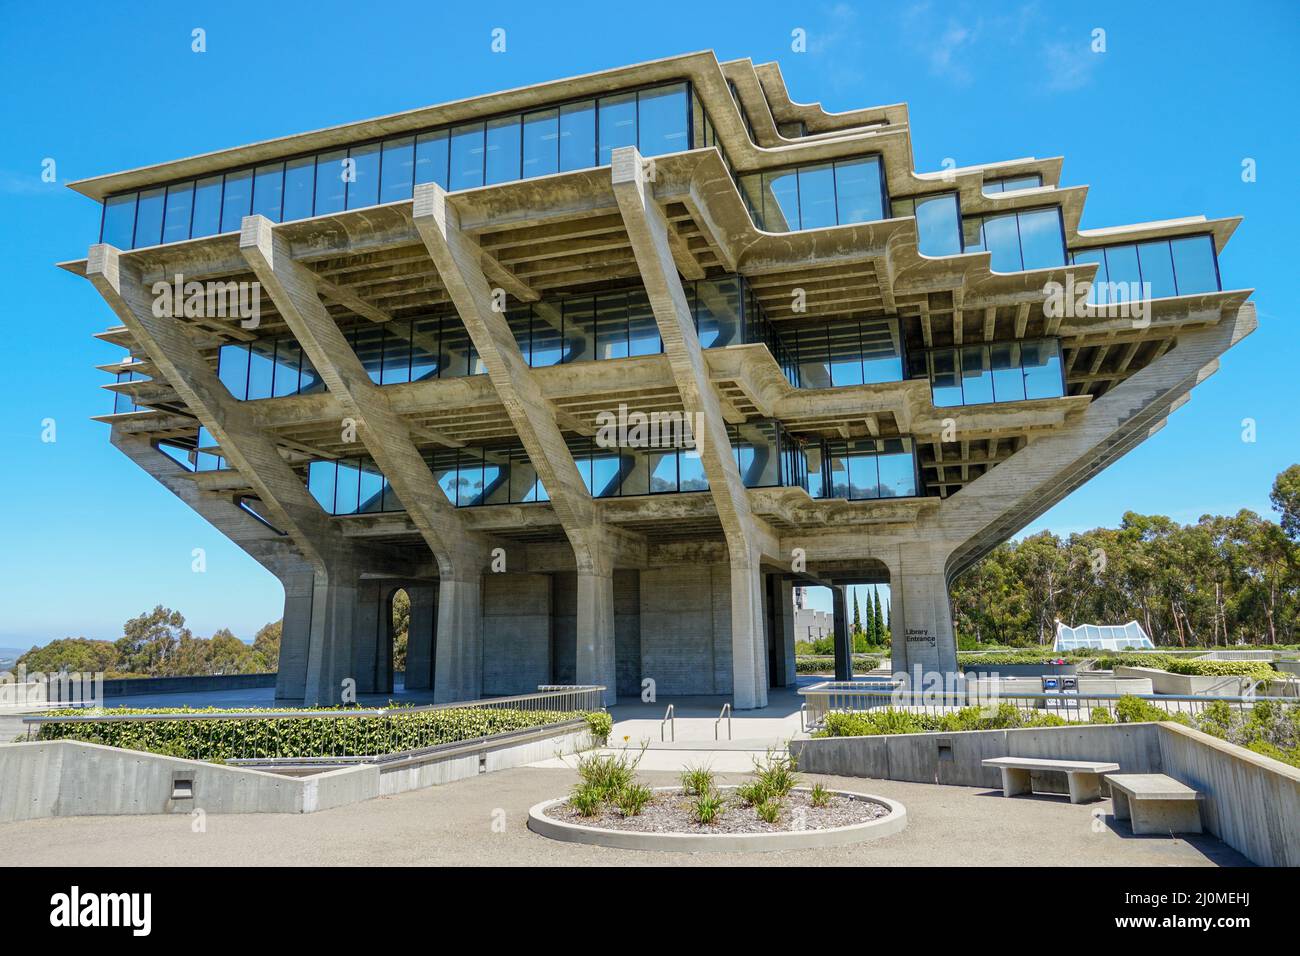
(1083, 776)
(1155, 803)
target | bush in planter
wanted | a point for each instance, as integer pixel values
(1255, 670)
(601, 724)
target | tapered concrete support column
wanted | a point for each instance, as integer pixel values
(333, 618)
(370, 658)
(843, 640)
(419, 636)
(295, 635)
(780, 614)
(922, 633)
(458, 671)
(748, 643)
(595, 631)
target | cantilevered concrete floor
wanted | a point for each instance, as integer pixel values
(452, 825)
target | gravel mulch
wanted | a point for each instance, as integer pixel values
(670, 812)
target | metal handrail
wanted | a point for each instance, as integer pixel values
(670, 718)
(726, 712)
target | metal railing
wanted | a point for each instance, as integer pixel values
(726, 713)
(397, 734)
(670, 718)
(862, 696)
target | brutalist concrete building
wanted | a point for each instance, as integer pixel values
(599, 369)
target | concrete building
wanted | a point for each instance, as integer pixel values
(387, 355)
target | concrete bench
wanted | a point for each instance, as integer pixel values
(1155, 803)
(1083, 776)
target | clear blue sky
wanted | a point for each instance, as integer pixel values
(1158, 126)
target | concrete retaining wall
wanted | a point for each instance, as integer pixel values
(1252, 803)
(63, 778)
(1163, 682)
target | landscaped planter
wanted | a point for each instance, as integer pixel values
(698, 838)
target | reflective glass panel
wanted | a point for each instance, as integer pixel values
(1002, 239)
(896, 469)
(232, 369)
(503, 150)
(1042, 243)
(397, 353)
(320, 482)
(331, 191)
(1194, 265)
(1122, 273)
(643, 331)
(781, 201)
(363, 172)
(299, 181)
(845, 353)
(149, 217)
(611, 325)
(816, 197)
(1042, 369)
(579, 330)
(938, 225)
(119, 220)
(662, 119)
(180, 203)
(857, 186)
(617, 122)
(1008, 379)
(287, 358)
(371, 493)
(1157, 268)
(397, 175)
(424, 349)
(268, 191)
(431, 158)
(347, 487)
(1098, 294)
(541, 146)
(663, 472)
(945, 380)
(578, 135)
(261, 368)
(547, 344)
(976, 378)
(466, 157)
(691, 473)
(237, 200)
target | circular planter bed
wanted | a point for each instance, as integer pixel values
(666, 823)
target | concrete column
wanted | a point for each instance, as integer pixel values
(922, 616)
(458, 672)
(295, 635)
(780, 614)
(843, 640)
(420, 636)
(748, 645)
(595, 631)
(333, 617)
(371, 660)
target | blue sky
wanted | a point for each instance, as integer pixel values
(1158, 126)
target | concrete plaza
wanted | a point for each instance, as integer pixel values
(453, 826)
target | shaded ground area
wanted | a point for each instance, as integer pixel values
(454, 825)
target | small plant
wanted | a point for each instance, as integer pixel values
(769, 811)
(608, 774)
(600, 723)
(820, 796)
(752, 793)
(696, 781)
(776, 773)
(586, 799)
(708, 808)
(633, 799)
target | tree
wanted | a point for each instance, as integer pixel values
(1286, 500)
(73, 654)
(401, 628)
(149, 641)
(881, 628)
(266, 647)
(857, 615)
(227, 654)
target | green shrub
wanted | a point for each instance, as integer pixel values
(345, 736)
(707, 808)
(776, 773)
(826, 665)
(1108, 662)
(1133, 710)
(586, 799)
(632, 800)
(820, 796)
(752, 794)
(1101, 715)
(608, 774)
(769, 811)
(696, 780)
(601, 724)
(1255, 670)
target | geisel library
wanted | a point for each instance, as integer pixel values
(438, 311)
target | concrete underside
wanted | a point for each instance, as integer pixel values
(453, 826)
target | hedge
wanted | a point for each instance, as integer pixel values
(1257, 670)
(221, 740)
(889, 721)
(826, 665)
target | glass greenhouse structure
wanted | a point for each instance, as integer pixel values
(1102, 637)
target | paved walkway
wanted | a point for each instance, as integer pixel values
(454, 825)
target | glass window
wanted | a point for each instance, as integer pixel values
(1123, 273)
(523, 477)
(299, 183)
(1002, 240)
(663, 472)
(391, 502)
(457, 357)
(938, 225)
(896, 468)
(976, 377)
(1042, 369)
(1098, 294)
(781, 201)
(1194, 265)
(309, 379)
(268, 191)
(578, 135)
(547, 343)
(503, 150)
(1042, 243)
(469, 478)
(148, 218)
(236, 200)
(371, 493)
(814, 357)
(331, 191)
(119, 221)
(363, 179)
(864, 476)
(466, 157)
(541, 143)
(817, 197)
(443, 464)
(397, 172)
(496, 476)
(617, 124)
(287, 359)
(690, 471)
(1012, 184)
(845, 353)
(945, 382)
(611, 325)
(662, 119)
(717, 311)
(207, 207)
(643, 330)
(1008, 379)
(261, 368)
(232, 369)
(425, 351)
(180, 203)
(368, 343)
(858, 190)
(1157, 268)
(579, 330)
(881, 358)
(321, 476)
(431, 158)
(605, 472)
(397, 353)
(347, 487)
(813, 456)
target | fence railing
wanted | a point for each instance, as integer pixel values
(860, 696)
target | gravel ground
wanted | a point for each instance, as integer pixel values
(671, 812)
